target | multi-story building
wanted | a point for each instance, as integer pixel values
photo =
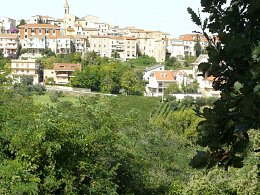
(100, 45)
(37, 37)
(21, 68)
(47, 30)
(80, 43)
(64, 45)
(7, 24)
(9, 44)
(123, 48)
(184, 45)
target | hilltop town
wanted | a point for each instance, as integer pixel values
(25, 41)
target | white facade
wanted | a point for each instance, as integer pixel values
(148, 71)
(161, 79)
(7, 23)
(9, 44)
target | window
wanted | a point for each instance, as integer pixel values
(33, 31)
(47, 30)
(25, 36)
(25, 30)
(53, 31)
(40, 31)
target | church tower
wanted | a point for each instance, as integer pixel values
(66, 7)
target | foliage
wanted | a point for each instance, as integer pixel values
(233, 62)
(24, 50)
(22, 22)
(39, 89)
(197, 46)
(88, 78)
(142, 61)
(232, 181)
(50, 81)
(47, 52)
(172, 88)
(131, 83)
(171, 61)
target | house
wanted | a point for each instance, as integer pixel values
(61, 73)
(160, 80)
(149, 70)
(21, 68)
(205, 83)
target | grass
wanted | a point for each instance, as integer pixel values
(143, 105)
(45, 99)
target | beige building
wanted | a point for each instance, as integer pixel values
(21, 68)
(61, 73)
(123, 48)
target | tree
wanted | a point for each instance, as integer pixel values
(131, 83)
(172, 88)
(197, 46)
(171, 61)
(47, 52)
(234, 61)
(22, 22)
(143, 61)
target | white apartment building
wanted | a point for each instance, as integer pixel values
(80, 43)
(9, 44)
(7, 24)
(64, 45)
(34, 44)
(21, 68)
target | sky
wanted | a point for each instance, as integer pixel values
(169, 16)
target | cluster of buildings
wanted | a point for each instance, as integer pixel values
(158, 79)
(74, 34)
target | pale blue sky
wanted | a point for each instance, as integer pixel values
(165, 15)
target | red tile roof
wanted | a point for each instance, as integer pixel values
(165, 75)
(67, 67)
(39, 26)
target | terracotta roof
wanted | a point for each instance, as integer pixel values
(192, 37)
(78, 25)
(90, 29)
(100, 36)
(37, 36)
(117, 38)
(67, 67)
(130, 38)
(165, 75)
(39, 26)
(70, 29)
(210, 78)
